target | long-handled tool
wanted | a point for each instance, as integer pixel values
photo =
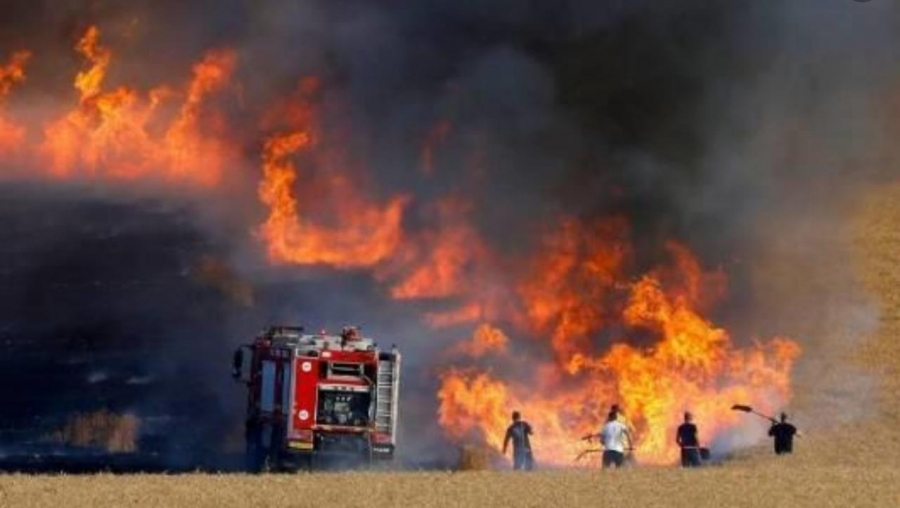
(590, 439)
(748, 409)
(629, 452)
(587, 452)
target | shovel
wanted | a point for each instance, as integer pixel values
(748, 409)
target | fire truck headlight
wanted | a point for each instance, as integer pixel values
(303, 414)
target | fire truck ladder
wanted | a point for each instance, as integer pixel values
(386, 393)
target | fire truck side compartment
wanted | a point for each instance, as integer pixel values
(267, 391)
(305, 399)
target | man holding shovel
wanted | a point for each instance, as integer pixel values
(784, 433)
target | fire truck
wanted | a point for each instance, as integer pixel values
(315, 399)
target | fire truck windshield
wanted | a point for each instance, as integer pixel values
(343, 408)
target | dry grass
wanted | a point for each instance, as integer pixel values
(854, 466)
(878, 258)
(774, 484)
(115, 433)
(478, 458)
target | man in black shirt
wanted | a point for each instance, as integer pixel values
(687, 440)
(518, 433)
(784, 433)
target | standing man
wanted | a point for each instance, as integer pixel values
(784, 433)
(686, 437)
(614, 436)
(518, 433)
(615, 408)
(621, 418)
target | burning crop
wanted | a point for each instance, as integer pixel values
(590, 337)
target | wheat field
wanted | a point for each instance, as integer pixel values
(841, 467)
(779, 484)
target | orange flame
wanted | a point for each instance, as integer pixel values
(690, 364)
(437, 259)
(486, 339)
(11, 74)
(474, 401)
(111, 133)
(363, 233)
(89, 81)
(575, 273)
(187, 150)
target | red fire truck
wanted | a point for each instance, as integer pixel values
(317, 396)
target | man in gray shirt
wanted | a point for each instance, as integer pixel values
(518, 433)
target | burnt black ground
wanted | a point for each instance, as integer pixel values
(102, 307)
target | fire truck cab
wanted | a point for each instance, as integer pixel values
(317, 396)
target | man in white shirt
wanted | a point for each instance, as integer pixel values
(614, 437)
(620, 416)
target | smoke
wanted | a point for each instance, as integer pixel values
(745, 131)
(792, 150)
